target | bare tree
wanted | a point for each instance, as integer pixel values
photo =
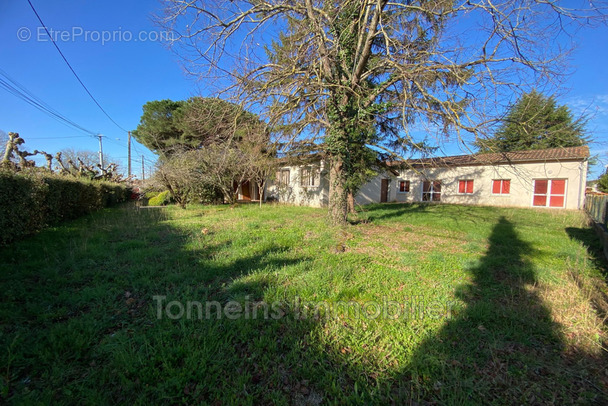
(177, 174)
(259, 160)
(217, 166)
(368, 72)
(88, 158)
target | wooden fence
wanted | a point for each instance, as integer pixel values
(597, 208)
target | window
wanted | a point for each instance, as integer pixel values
(283, 177)
(308, 177)
(501, 186)
(404, 186)
(465, 186)
(431, 191)
(549, 193)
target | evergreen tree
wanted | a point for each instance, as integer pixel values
(536, 122)
(602, 182)
(168, 126)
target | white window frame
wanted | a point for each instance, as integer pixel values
(399, 186)
(280, 179)
(549, 194)
(312, 179)
(465, 193)
(501, 185)
(431, 191)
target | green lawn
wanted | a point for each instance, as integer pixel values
(490, 306)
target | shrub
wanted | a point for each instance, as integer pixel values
(31, 201)
(161, 199)
(150, 195)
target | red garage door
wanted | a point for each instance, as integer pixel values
(549, 192)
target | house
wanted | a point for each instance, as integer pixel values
(549, 178)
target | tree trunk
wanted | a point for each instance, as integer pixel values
(338, 207)
(261, 191)
(10, 146)
(351, 202)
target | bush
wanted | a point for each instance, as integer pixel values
(31, 201)
(150, 195)
(206, 194)
(161, 199)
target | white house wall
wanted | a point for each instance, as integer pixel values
(370, 192)
(294, 193)
(522, 176)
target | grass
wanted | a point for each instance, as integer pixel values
(493, 306)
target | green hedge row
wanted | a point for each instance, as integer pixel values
(30, 202)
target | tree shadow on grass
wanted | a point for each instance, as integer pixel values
(387, 211)
(81, 320)
(503, 348)
(455, 212)
(86, 327)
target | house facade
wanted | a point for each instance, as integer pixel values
(550, 178)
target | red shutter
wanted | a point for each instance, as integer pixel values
(540, 200)
(540, 187)
(556, 201)
(469, 186)
(506, 187)
(496, 186)
(461, 186)
(407, 185)
(558, 187)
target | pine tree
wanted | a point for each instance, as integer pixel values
(602, 182)
(536, 122)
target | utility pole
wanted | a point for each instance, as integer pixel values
(129, 153)
(143, 174)
(100, 151)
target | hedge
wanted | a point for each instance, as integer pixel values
(31, 201)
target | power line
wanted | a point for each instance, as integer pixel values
(111, 140)
(16, 89)
(55, 138)
(72, 69)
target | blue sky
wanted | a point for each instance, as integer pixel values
(133, 67)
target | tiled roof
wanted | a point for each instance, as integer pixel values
(495, 158)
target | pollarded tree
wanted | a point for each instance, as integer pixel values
(536, 122)
(356, 73)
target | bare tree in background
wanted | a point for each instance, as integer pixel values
(88, 158)
(369, 72)
(216, 166)
(178, 174)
